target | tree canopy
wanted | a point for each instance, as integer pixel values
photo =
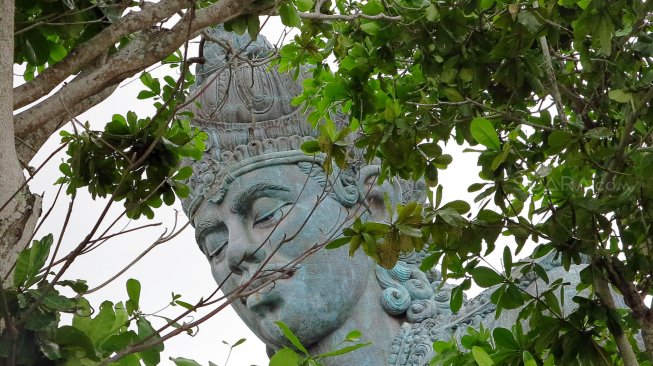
(553, 95)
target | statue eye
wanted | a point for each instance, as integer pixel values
(215, 245)
(270, 217)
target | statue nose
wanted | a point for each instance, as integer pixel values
(244, 255)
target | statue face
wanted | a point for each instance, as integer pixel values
(315, 298)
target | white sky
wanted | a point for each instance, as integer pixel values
(177, 266)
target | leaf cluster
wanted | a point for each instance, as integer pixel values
(46, 31)
(553, 97)
(35, 307)
(136, 159)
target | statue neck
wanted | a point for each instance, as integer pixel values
(373, 322)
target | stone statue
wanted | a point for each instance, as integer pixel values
(262, 210)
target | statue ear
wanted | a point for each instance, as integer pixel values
(373, 194)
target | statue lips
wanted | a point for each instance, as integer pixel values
(264, 298)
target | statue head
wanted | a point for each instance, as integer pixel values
(263, 209)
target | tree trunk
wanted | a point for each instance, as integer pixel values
(18, 217)
(646, 323)
(625, 349)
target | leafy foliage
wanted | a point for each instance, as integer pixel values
(137, 159)
(290, 357)
(47, 30)
(553, 96)
(93, 335)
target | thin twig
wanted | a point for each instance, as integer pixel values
(548, 68)
(61, 234)
(32, 176)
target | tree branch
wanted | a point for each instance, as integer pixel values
(79, 57)
(151, 46)
(548, 68)
(625, 349)
(33, 141)
(332, 17)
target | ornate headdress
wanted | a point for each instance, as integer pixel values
(244, 106)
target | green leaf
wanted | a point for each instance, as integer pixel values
(541, 272)
(503, 338)
(76, 339)
(40, 320)
(79, 286)
(181, 361)
(507, 260)
(481, 357)
(483, 132)
(134, 293)
(118, 342)
(429, 261)
(150, 82)
(558, 140)
(55, 301)
(183, 173)
(620, 96)
(102, 326)
(289, 15)
(336, 91)
(486, 277)
(605, 30)
(456, 298)
(152, 356)
(253, 26)
(528, 359)
(460, 206)
(486, 4)
(372, 7)
(285, 357)
(353, 336)
(304, 5)
(145, 94)
(37, 47)
(512, 298)
(431, 149)
(528, 20)
(337, 243)
(431, 175)
(432, 13)
(453, 95)
(31, 260)
(49, 348)
(344, 350)
(291, 337)
(239, 24)
(371, 28)
(57, 52)
(133, 290)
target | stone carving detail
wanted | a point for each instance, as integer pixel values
(255, 136)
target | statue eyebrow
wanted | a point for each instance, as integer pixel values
(239, 204)
(206, 224)
(257, 190)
